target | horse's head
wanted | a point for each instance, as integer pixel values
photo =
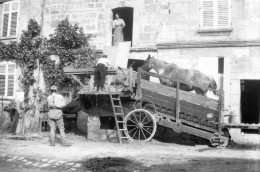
(212, 84)
(148, 65)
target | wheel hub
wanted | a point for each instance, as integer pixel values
(140, 125)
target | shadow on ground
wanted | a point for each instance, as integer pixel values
(167, 135)
(110, 164)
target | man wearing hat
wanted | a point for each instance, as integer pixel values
(55, 115)
(100, 72)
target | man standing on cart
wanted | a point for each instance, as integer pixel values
(100, 73)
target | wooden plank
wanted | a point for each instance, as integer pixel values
(76, 79)
(177, 101)
(186, 129)
(158, 85)
(184, 122)
(122, 54)
(187, 107)
(197, 107)
(184, 95)
(139, 91)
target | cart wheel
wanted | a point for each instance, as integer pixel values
(141, 125)
(161, 130)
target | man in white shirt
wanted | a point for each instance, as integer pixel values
(100, 72)
(55, 115)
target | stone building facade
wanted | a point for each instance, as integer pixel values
(209, 35)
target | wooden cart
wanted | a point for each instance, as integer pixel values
(157, 104)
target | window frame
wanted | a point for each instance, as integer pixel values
(6, 74)
(10, 2)
(215, 17)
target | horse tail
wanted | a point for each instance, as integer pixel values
(212, 84)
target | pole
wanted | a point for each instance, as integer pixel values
(2, 105)
(221, 88)
(178, 102)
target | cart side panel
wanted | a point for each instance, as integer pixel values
(184, 95)
(169, 103)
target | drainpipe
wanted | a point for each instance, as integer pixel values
(42, 15)
(221, 87)
(221, 72)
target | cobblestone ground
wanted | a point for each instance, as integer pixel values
(21, 163)
(33, 153)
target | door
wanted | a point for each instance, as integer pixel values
(250, 103)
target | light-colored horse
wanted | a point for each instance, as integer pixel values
(171, 70)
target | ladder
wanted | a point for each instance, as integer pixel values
(119, 117)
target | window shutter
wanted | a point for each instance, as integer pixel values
(2, 85)
(2, 80)
(223, 13)
(2, 68)
(5, 25)
(207, 13)
(13, 24)
(10, 84)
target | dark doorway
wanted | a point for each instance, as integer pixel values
(135, 64)
(250, 103)
(126, 13)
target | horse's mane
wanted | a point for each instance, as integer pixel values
(162, 61)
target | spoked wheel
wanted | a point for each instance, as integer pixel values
(161, 130)
(141, 125)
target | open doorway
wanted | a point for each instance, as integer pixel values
(250, 103)
(135, 64)
(126, 13)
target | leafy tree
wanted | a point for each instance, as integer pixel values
(71, 45)
(33, 52)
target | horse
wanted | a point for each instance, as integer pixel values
(189, 77)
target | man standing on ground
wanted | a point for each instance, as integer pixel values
(55, 115)
(100, 72)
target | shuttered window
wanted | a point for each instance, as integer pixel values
(10, 18)
(215, 14)
(7, 79)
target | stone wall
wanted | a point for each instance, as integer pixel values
(239, 63)
(153, 20)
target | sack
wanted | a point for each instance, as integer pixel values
(55, 114)
(72, 108)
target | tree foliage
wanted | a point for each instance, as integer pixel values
(68, 42)
(71, 45)
(25, 53)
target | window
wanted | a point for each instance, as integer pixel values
(7, 78)
(10, 18)
(215, 14)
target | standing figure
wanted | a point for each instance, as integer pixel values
(101, 72)
(14, 115)
(55, 115)
(118, 26)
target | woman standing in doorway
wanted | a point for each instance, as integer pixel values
(118, 26)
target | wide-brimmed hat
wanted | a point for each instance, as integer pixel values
(54, 87)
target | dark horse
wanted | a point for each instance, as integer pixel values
(189, 77)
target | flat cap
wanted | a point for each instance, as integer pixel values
(54, 87)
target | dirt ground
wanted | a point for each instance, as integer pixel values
(151, 156)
